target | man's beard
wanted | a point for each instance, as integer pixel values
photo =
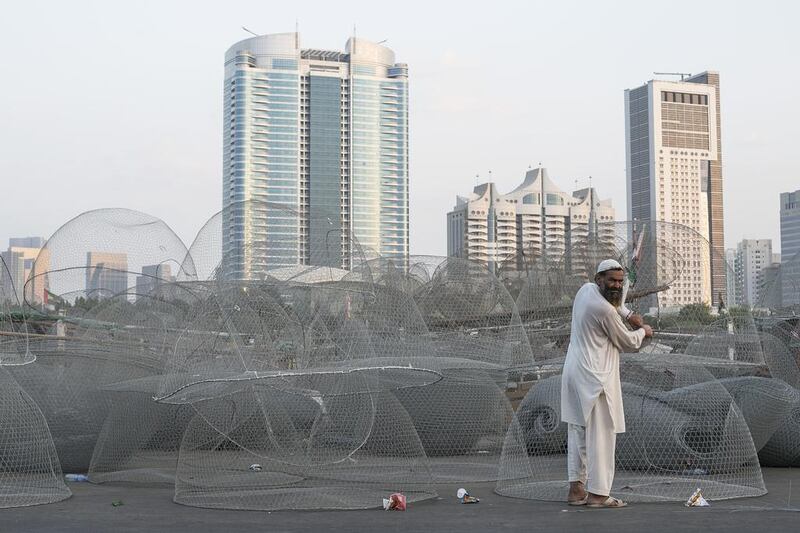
(613, 296)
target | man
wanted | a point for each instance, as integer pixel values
(591, 394)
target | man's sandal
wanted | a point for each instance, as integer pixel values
(579, 502)
(608, 503)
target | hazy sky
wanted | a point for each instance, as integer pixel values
(119, 104)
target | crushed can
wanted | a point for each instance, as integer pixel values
(395, 502)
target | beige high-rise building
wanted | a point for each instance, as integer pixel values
(106, 274)
(534, 220)
(674, 173)
(20, 257)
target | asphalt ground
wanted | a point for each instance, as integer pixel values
(150, 508)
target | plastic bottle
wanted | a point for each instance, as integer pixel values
(76, 477)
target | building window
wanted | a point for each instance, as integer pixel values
(532, 198)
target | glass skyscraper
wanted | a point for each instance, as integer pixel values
(790, 249)
(325, 135)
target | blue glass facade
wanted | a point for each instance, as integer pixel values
(790, 248)
(380, 164)
(261, 168)
(394, 168)
(365, 178)
(325, 163)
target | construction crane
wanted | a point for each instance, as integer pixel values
(683, 75)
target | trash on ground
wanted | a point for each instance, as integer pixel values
(396, 502)
(464, 496)
(255, 467)
(116, 503)
(697, 500)
(76, 477)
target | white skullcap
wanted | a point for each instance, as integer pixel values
(608, 264)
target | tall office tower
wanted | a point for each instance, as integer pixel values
(790, 246)
(13, 279)
(674, 173)
(28, 250)
(325, 134)
(752, 257)
(771, 295)
(106, 274)
(790, 224)
(535, 220)
(153, 276)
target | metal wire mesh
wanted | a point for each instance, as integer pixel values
(309, 373)
(781, 353)
(95, 276)
(683, 431)
(30, 473)
(460, 321)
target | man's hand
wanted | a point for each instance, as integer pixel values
(648, 331)
(635, 321)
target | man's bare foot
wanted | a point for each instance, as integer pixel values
(577, 493)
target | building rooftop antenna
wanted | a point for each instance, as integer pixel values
(248, 31)
(683, 75)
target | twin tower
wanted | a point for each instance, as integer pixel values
(325, 135)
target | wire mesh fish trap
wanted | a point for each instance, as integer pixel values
(780, 347)
(322, 437)
(30, 473)
(93, 277)
(683, 430)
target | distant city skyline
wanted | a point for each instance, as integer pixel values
(146, 136)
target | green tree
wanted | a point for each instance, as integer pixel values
(698, 313)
